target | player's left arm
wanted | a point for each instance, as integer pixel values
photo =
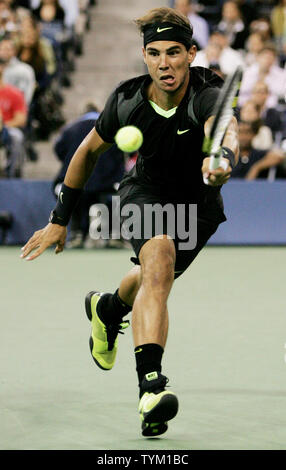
(230, 146)
(78, 172)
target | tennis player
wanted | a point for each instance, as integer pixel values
(173, 106)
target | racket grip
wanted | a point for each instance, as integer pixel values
(215, 162)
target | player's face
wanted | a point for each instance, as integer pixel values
(168, 64)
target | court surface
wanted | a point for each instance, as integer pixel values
(225, 354)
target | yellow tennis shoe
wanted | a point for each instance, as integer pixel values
(103, 340)
(157, 405)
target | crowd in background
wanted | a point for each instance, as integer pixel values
(39, 42)
(40, 39)
(250, 34)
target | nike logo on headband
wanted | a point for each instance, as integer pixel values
(159, 30)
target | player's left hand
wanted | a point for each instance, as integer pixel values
(43, 239)
(216, 177)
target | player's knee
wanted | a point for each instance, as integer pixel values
(160, 277)
(158, 266)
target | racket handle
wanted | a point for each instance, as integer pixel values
(215, 162)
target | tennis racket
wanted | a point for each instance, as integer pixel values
(223, 112)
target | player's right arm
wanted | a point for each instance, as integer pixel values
(221, 176)
(79, 170)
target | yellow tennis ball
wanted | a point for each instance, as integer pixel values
(129, 139)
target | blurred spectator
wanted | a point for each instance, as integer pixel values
(261, 26)
(50, 13)
(45, 113)
(233, 25)
(270, 116)
(69, 7)
(278, 24)
(103, 181)
(17, 73)
(13, 111)
(248, 10)
(263, 136)
(76, 19)
(254, 44)
(31, 52)
(81, 25)
(200, 25)
(51, 18)
(210, 10)
(76, 15)
(27, 24)
(22, 76)
(264, 7)
(265, 69)
(219, 53)
(20, 4)
(8, 22)
(254, 163)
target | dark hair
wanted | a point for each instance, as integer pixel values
(37, 57)
(162, 15)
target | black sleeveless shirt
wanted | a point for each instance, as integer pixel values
(170, 158)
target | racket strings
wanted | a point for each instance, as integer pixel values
(225, 117)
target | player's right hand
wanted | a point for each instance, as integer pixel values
(43, 239)
(216, 177)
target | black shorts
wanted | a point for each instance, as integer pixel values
(143, 197)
